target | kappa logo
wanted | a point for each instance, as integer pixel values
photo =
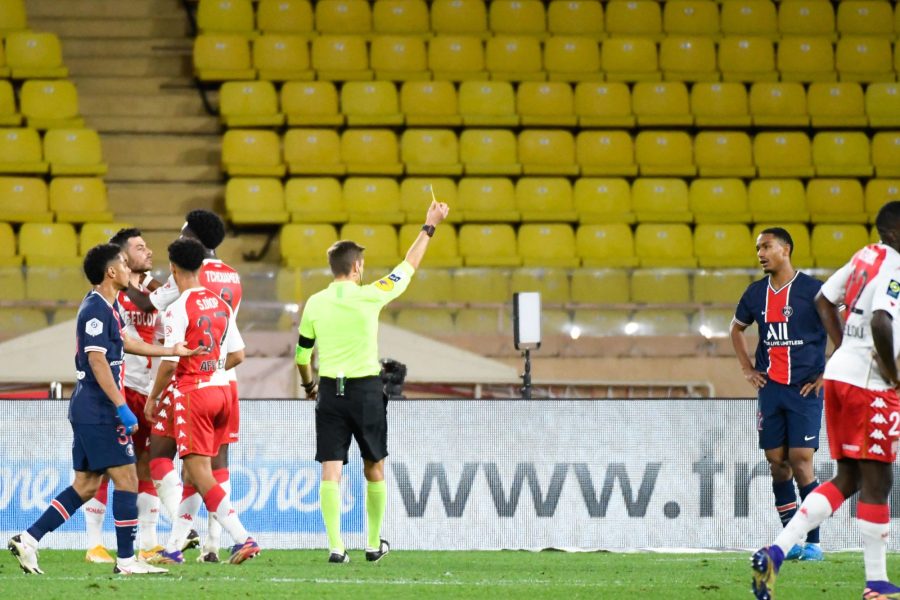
(163, 414)
(876, 449)
(181, 434)
(879, 418)
(159, 426)
(179, 407)
(877, 434)
(182, 448)
(878, 403)
(180, 421)
(94, 327)
(787, 311)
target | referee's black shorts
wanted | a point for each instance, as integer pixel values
(361, 412)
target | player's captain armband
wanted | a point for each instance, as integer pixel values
(303, 353)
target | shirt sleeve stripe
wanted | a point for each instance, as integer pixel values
(739, 322)
(99, 349)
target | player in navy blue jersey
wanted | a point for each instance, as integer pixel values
(101, 421)
(787, 373)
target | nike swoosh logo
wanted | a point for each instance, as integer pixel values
(806, 438)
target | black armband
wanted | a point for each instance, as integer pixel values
(306, 343)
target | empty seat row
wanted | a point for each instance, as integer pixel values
(19, 321)
(51, 244)
(62, 152)
(277, 57)
(68, 199)
(44, 104)
(31, 55)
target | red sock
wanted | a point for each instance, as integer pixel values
(160, 467)
(102, 491)
(187, 491)
(146, 487)
(221, 475)
(213, 498)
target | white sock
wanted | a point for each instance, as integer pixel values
(214, 533)
(875, 540)
(29, 539)
(230, 521)
(188, 509)
(148, 517)
(815, 509)
(94, 513)
(169, 490)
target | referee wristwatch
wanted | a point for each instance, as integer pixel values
(429, 229)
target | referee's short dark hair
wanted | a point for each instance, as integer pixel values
(781, 234)
(207, 226)
(342, 255)
(888, 220)
(186, 254)
(97, 259)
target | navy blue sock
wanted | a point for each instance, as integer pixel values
(813, 536)
(125, 513)
(785, 500)
(61, 508)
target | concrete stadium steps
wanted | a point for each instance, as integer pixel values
(88, 26)
(173, 111)
(124, 9)
(162, 206)
(165, 158)
(129, 66)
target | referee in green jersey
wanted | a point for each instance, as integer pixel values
(343, 320)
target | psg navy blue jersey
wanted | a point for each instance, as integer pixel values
(97, 329)
(792, 338)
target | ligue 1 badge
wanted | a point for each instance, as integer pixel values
(787, 311)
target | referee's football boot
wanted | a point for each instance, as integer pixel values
(375, 555)
(880, 590)
(133, 566)
(192, 540)
(765, 563)
(245, 551)
(98, 554)
(339, 557)
(25, 554)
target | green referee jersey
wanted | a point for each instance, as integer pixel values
(342, 319)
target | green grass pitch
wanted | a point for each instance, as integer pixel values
(419, 574)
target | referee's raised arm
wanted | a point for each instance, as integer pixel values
(437, 212)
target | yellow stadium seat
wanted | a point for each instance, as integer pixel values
(482, 321)
(428, 321)
(400, 17)
(19, 321)
(661, 200)
(874, 236)
(724, 154)
(24, 200)
(282, 57)
(93, 234)
(13, 16)
(801, 255)
(691, 17)
(806, 59)
(545, 199)
(688, 59)
(371, 152)
(670, 322)
(834, 245)
(466, 17)
(255, 201)
(546, 104)
(74, 152)
(633, 18)
(841, 154)
(56, 283)
(605, 153)
(488, 103)
(600, 323)
(50, 104)
(719, 201)
(777, 200)
(547, 152)
(430, 152)
(253, 153)
(664, 153)
(886, 154)
(660, 286)
(315, 200)
(456, 57)
(836, 201)
(883, 104)
(571, 58)
(603, 104)
(606, 245)
(712, 322)
(379, 240)
(603, 200)
(487, 200)
(661, 104)
(575, 17)
(629, 59)
(778, 105)
(878, 193)
(310, 103)
(32, 55)
(285, 16)
(517, 17)
(783, 154)
(373, 200)
(747, 59)
(600, 286)
(806, 18)
(222, 57)
(312, 152)
(865, 59)
(552, 283)
(489, 245)
(370, 103)
(429, 103)
(10, 261)
(489, 152)
(340, 58)
(415, 197)
(443, 250)
(9, 115)
(481, 285)
(399, 58)
(547, 245)
(720, 105)
(664, 245)
(20, 151)
(749, 17)
(304, 245)
(836, 105)
(720, 286)
(79, 200)
(430, 285)
(249, 104)
(343, 17)
(719, 245)
(225, 16)
(514, 58)
(865, 18)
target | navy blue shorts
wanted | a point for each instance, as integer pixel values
(785, 418)
(96, 448)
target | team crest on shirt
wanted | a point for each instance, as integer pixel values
(894, 289)
(94, 327)
(787, 311)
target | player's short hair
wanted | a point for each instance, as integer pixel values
(123, 235)
(207, 226)
(781, 234)
(97, 260)
(888, 219)
(187, 254)
(342, 255)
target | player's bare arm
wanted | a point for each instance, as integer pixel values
(142, 348)
(831, 319)
(233, 359)
(140, 299)
(883, 338)
(739, 342)
(308, 381)
(437, 212)
(103, 375)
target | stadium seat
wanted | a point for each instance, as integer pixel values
(883, 104)
(546, 104)
(718, 245)
(251, 153)
(24, 200)
(371, 152)
(380, 242)
(306, 103)
(487, 200)
(514, 58)
(878, 193)
(843, 154)
(806, 18)
(9, 114)
(749, 17)
(430, 285)
(249, 104)
(806, 59)
(778, 105)
(220, 57)
(664, 245)
(489, 152)
(225, 16)
(723, 154)
(429, 104)
(343, 17)
(661, 104)
(293, 17)
(481, 285)
(19, 321)
(865, 59)
(691, 17)
(489, 245)
(74, 152)
(312, 152)
(552, 283)
(656, 286)
(720, 286)
(517, 17)
(443, 250)
(315, 200)
(10, 261)
(783, 154)
(400, 17)
(833, 245)
(836, 201)
(865, 18)
(255, 201)
(720, 105)
(399, 58)
(776, 200)
(305, 245)
(545, 200)
(430, 152)
(661, 200)
(719, 201)
(482, 321)
(13, 17)
(712, 322)
(20, 151)
(666, 153)
(340, 58)
(605, 153)
(547, 152)
(488, 104)
(93, 234)
(801, 255)
(56, 283)
(465, 17)
(555, 323)
(427, 321)
(663, 321)
(603, 200)
(282, 57)
(603, 105)
(688, 59)
(629, 59)
(886, 154)
(638, 18)
(576, 17)
(415, 197)
(836, 105)
(32, 55)
(370, 103)
(747, 59)
(79, 200)
(373, 200)
(601, 323)
(606, 245)
(456, 57)
(571, 58)
(50, 104)
(546, 244)
(600, 286)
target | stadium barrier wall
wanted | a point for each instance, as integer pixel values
(465, 474)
